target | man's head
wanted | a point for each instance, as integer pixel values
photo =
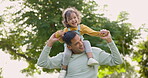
(73, 42)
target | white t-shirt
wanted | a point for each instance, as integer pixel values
(77, 67)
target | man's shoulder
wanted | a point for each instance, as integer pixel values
(59, 55)
(96, 52)
(96, 49)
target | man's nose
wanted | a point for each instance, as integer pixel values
(81, 43)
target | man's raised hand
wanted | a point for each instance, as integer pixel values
(52, 40)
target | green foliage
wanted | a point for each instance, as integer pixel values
(107, 70)
(1, 73)
(123, 16)
(1, 20)
(141, 56)
(32, 28)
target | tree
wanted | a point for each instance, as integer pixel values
(141, 56)
(123, 35)
(1, 21)
(1, 73)
(33, 26)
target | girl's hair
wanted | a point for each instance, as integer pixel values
(67, 12)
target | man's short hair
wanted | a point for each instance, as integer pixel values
(68, 36)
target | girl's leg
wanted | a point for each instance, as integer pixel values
(91, 60)
(66, 57)
(65, 61)
(89, 54)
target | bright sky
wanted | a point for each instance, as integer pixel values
(137, 9)
(138, 15)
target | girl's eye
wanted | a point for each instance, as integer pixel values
(69, 19)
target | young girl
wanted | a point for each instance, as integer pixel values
(71, 21)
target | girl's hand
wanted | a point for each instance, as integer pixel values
(59, 34)
(106, 35)
(104, 32)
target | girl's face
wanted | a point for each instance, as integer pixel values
(72, 20)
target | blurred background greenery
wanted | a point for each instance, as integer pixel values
(23, 34)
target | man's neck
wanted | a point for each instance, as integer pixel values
(76, 52)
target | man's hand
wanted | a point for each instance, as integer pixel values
(59, 34)
(52, 40)
(107, 37)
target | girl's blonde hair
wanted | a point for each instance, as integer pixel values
(67, 12)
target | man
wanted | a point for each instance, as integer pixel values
(78, 67)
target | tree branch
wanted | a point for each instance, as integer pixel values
(9, 48)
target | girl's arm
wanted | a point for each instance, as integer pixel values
(86, 30)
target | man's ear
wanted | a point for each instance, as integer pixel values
(69, 47)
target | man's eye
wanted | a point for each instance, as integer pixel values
(76, 44)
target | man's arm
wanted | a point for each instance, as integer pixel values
(110, 59)
(44, 59)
